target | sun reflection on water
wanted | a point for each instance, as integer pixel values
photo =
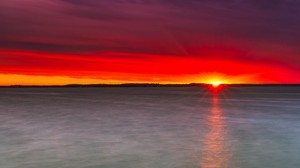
(215, 153)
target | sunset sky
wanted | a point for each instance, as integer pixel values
(46, 42)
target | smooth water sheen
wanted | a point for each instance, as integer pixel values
(163, 127)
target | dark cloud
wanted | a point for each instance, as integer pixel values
(262, 29)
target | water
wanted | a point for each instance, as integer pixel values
(176, 127)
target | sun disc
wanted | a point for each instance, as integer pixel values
(216, 84)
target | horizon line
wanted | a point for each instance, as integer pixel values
(153, 84)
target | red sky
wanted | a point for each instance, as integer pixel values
(161, 41)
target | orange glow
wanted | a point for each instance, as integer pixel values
(24, 67)
(216, 84)
(216, 79)
(14, 79)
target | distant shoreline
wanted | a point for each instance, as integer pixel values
(142, 85)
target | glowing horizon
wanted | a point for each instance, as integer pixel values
(71, 42)
(37, 68)
(37, 80)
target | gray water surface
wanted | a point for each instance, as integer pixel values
(163, 127)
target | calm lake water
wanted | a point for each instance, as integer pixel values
(169, 127)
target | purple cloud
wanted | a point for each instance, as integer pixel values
(260, 29)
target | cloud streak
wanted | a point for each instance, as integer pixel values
(254, 31)
(128, 67)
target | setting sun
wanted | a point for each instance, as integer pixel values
(217, 79)
(216, 84)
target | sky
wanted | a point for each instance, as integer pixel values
(49, 42)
